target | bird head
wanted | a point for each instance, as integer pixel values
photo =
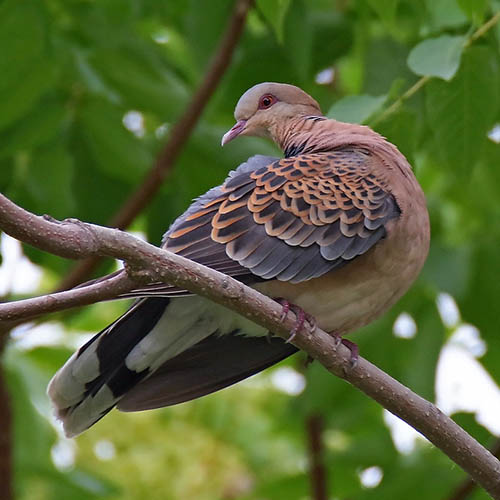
(267, 105)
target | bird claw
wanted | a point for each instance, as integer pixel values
(285, 307)
(353, 361)
(302, 317)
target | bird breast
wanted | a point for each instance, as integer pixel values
(346, 299)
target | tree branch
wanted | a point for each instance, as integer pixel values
(317, 472)
(6, 477)
(178, 137)
(467, 486)
(77, 239)
(59, 301)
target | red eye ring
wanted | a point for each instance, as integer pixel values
(266, 101)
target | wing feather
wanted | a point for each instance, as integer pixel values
(290, 219)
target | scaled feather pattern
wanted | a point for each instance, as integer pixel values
(337, 227)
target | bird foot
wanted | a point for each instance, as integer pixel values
(350, 345)
(302, 317)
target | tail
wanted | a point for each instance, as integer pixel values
(161, 352)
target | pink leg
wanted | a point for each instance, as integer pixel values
(302, 317)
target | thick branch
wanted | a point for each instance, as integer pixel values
(79, 239)
(178, 137)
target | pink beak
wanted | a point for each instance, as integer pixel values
(234, 132)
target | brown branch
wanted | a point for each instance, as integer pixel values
(79, 239)
(59, 301)
(463, 490)
(317, 471)
(178, 137)
(6, 476)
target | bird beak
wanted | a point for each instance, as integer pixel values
(234, 132)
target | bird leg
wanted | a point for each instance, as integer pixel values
(301, 315)
(350, 345)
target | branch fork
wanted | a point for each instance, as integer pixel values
(78, 239)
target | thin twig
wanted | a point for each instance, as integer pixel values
(482, 30)
(398, 102)
(29, 309)
(73, 239)
(178, 137)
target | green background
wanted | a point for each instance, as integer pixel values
(70, 70)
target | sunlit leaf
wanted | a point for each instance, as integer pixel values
(437, 57)
(357, 108)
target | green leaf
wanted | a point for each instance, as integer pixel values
(18, 52)
(144, 83)
(26, 71)
(50, 180)
(174, 46)
(7, 166)
(44, 182)
(461, 112)
(289, 487)
(116, 150)
(298, 36)
(386, 9)
(402, 128)
(356, 108)
(97, 193)
(384, 62)
(474, 9)
(274, 11)
(437, 57)
(448, 268)
(445, 14)
(39, 126)
(203, 29)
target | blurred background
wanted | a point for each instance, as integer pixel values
(90, 91)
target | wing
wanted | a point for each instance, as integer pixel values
(291, 219)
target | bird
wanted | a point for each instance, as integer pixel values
(336, 228)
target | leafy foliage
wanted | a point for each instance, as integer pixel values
(437, 57)
(72, 73)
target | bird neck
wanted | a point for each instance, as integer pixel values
(299, 134)
(316, 134)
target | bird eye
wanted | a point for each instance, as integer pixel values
(266, 101)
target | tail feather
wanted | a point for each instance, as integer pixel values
(157, 335)
(95, 376)
(210, 365)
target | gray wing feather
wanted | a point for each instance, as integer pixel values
(212, 364)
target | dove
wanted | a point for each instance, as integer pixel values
(336, 229)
